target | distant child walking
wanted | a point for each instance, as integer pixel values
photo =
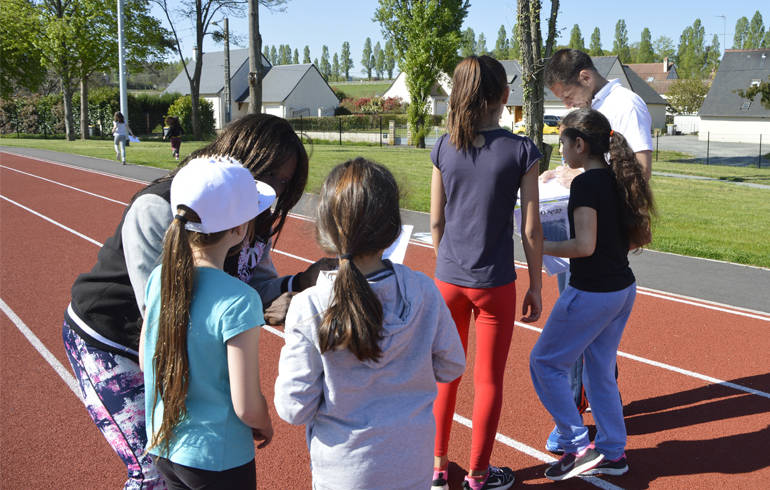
(478, 171)
(174, 134)
(610, 207)
(366, 345)
(199, 344)
(120, 132)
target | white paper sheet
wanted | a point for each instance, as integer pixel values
(397, 250)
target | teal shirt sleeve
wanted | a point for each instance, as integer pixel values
(244, 313)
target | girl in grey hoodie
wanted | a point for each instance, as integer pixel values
(366, 345)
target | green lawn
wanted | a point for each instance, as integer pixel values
(362, 89)
(700, 218)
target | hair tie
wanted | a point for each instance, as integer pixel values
(612, 133)
(346, 257)
(181, 218)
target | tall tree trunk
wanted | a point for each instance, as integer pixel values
(69, 123)
(255, 59)
(195, 110)
(84, 108)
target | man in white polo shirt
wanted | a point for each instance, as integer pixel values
(572, 77)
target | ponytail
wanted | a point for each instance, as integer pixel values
(634, 191)
(478, 85)
(358, 215)
(354, 317)
(170, 362)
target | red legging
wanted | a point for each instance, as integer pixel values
(495, 312)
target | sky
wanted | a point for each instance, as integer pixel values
(331, 22)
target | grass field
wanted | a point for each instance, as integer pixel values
(362, 89)
(704, 218)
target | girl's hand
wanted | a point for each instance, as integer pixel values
(264, 435)
(533, 304)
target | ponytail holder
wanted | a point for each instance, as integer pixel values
(612, 133)
(181, 218)
(346, 257)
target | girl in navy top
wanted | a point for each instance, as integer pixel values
(609, 213)
(478, 170)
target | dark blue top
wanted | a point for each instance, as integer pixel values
(481, 186)
(607, 268)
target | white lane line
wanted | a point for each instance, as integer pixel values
(82, 169)
(25, 208)
(63, 372)
(669, 367)
(650, 362)
(67, 186)
(293, 256)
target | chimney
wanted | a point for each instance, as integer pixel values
(195, 52)
(665, 64)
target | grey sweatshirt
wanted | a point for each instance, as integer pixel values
(370, 424)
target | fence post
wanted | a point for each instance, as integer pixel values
(759, 157)
(760, 144)
(340, 121)
(657, 144)
(300, 126)
(708, 141)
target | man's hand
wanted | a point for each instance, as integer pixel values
(308, 278)
(275, 313)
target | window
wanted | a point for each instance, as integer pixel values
(755, 82)
(650, 79)
(746, 105)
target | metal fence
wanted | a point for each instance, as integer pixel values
(374, 130)
(712, 148)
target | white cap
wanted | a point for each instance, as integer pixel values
(221, 191)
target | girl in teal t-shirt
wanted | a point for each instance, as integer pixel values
(199, 344)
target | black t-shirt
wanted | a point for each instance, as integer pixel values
(607, 269)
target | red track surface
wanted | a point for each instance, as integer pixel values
(685, 430)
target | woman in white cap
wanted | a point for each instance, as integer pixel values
(199, 342)
(104, 317)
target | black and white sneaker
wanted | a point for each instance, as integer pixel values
(572, 464)
(439, 480)
(610, 467)
(497, 479)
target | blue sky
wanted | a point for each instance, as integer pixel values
(331, 22)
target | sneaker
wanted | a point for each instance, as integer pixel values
(439, 480)
(497, 478)
(572, 464)
(612, 467)
(552, 443)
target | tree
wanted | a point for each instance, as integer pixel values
(390, 58)
(686, 95)
(501, 45)
(379, 60)
(620, 45)
(325, 66)
(20, 65)
(596, 44)
(481, 45)
(306, 55)
(663, 47)
(741, 33)
(691, 53)
(426, 36)
(346, 62)
(645, 54)
(336, 67)
(266, 52)
(576, 39)
(366, 59)
(532, 63)
(514, 51)
(756, 32)
(713, 55)
(295, 58)
(763, 90)
(273, 55)
(467, 43)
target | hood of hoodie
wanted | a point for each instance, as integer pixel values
(393, 291)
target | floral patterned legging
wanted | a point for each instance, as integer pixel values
(113, 393)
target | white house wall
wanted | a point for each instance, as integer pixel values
(216, 101)
(658, 114)
(273, 109)
(737, 130)
(311, 94)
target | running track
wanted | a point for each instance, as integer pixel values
(694, 377)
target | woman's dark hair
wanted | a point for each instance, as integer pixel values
(172, 121)
(358, 214)
(262, 143)
(118, 117)
(170, 361)
(565, 65)
(633, 189)
(478, 84)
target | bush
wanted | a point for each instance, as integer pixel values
(182, 108)
(374, 105)
(355, 122)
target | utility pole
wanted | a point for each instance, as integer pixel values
(255, 59)
(228, 98)
(122, 65)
